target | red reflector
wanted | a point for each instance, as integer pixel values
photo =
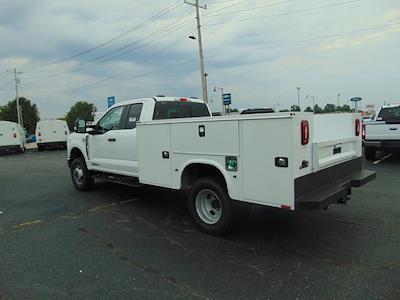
(15, 135)
(305, 132)
(357, 125)
(285, 207)
(183, 99)
(363, 132)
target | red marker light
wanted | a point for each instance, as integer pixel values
(305, 132)
(183, 99)
(286, 207)
(357, 126)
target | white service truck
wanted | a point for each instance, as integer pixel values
(286, 160)
(12, 137)
(382, 132)
(51, 134)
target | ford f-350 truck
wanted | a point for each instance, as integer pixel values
(382, 133)
(288, 160)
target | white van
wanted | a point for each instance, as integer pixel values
(51, 133)
(12, 137)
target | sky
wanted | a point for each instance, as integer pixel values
(257, 50)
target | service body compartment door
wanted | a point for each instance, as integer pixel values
(154, 146)
(262, 142)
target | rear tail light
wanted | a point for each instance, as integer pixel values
(183, 99)
(363, 132)
(305, 132)
(15, 135)
(357, 127)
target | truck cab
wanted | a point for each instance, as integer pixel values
(111, 144)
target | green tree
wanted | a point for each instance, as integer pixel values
(80, 109)
(295, 108)
(308, 109)
(317, 109)
(329, 108)
(344, 108)
(30, 113)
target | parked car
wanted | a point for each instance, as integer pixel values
(12, 137)
(51, 134)
(382, 133)
(288, 160)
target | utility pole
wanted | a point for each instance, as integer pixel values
(338, 99)
(200, 41)
(19, 116)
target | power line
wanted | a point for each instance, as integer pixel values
(95, 83)
(255, 49)
(286, 13)
(87, 64)
(249, 9)
(130, 30)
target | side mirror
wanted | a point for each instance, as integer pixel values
(80, 125)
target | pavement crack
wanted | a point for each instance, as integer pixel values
(116, 252)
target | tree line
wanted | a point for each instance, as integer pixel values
(30, 113)
(329, 108)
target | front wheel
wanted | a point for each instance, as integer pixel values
(81, 177)
(210, 206)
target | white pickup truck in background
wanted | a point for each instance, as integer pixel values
(382, 133)
(285, 160)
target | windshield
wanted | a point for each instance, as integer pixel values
(389, 114)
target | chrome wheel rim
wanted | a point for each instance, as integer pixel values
(78, 174)
(208, 206)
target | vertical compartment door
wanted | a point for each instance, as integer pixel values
(154, 157)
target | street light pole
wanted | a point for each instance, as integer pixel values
(313, 101)
(338, 99)
(222, 98)
(201, 54)
(298, 96)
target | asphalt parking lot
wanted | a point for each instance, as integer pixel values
(118, 242)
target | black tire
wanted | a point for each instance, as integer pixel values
(370, 153)
(82, 181)
(226, 211)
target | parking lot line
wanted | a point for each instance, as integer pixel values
(382, 159)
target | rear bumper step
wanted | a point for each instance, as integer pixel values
(332, 185)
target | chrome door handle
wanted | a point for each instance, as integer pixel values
(111, 139)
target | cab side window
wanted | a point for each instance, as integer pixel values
(111, 120)
(133, 115)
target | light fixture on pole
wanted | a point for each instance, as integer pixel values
(338, 99)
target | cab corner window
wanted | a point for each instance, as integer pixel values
(133, 115)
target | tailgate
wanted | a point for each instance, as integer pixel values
(334, 140)
(382, 131)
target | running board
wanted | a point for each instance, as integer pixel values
(119, 179)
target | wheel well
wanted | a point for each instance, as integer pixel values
(74, 154)
(195, 171)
